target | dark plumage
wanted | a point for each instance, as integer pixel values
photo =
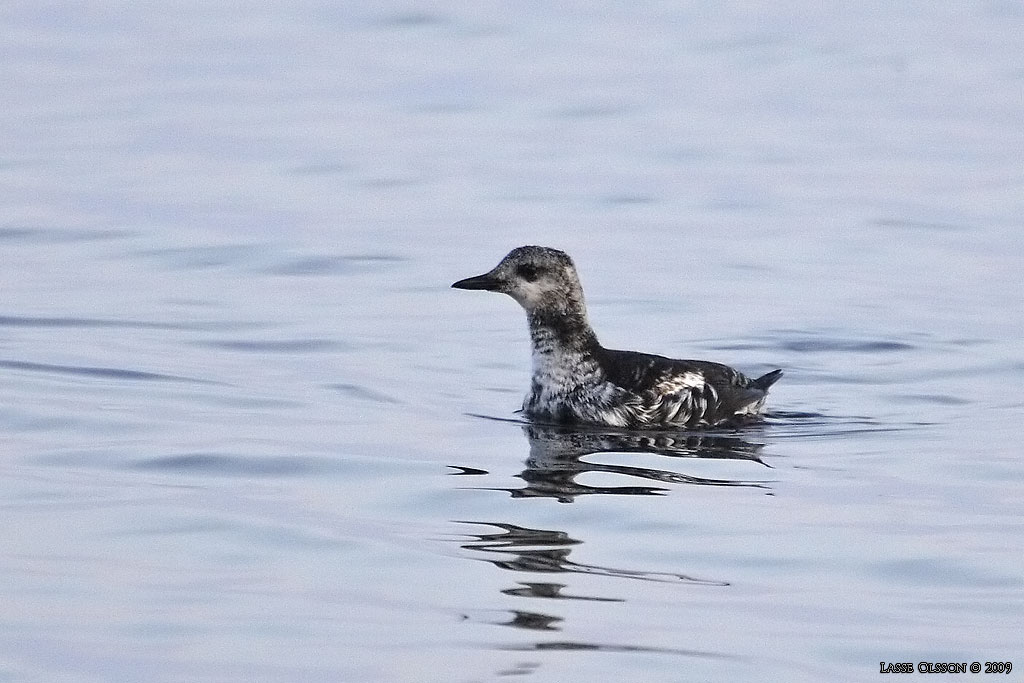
(578, 381)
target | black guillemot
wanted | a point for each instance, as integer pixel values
(578, 381)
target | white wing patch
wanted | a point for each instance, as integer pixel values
(687, 380)
(682, 399)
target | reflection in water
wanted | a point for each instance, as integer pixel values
(557, 452)
(612, 647)
(522, 549)
(550, 590)
(534, 621)
(530, 621)
(556, 460)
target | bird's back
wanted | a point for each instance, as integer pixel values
(690, 393)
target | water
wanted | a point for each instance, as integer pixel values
(247, 427)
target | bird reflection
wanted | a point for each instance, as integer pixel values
(558, 456)
(522, 549)
(556, 460)
(549, 590)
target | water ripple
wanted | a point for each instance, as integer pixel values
(818, 345)
(275, 346)
(362, 393)
(412, 19)
(794, 424)
(330, 265)
(238, 465)
(202, 257)
(76, 322)
(105, 373)
(59, 235)
(921, 225)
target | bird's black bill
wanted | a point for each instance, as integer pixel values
(479, 282)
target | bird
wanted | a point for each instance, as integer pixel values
(577, 381)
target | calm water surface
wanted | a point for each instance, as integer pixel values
(248, 433)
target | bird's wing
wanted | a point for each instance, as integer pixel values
(681, 399)
(639, 372)
(670, 391)
(684, 392)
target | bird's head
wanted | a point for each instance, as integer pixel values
(539, 278)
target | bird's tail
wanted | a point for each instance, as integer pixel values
(766, 380)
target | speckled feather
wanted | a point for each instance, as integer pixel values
(577, 381)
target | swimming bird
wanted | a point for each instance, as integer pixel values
(578, 381)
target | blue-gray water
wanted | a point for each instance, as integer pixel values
(237, 431)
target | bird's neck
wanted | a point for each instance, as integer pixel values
(561, 338)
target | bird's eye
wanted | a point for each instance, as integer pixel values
(527, 272)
